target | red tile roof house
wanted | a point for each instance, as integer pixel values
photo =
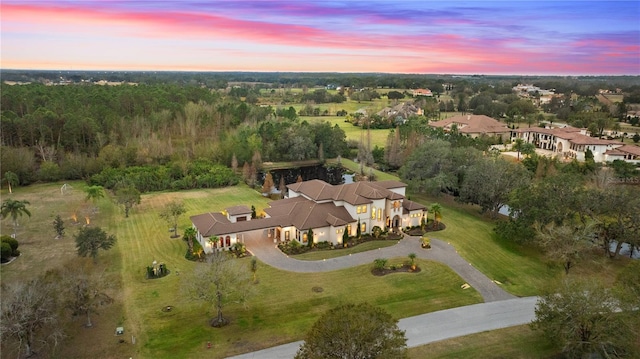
(326, 209)
(422, 92)
(475, 126)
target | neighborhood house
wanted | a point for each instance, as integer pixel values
(327, 210)
(573, 143)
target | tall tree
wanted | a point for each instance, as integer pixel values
(85, 292)
(11, 179)
(268, 184)
(354, 331)
(219, 282)
(566, 243)
(436, 209)
(190, 236)
(14, 209)
(89, 240)
(128, 196)
(282, 187)
(581, 318)
(30, 314)
(517, 145)
(171, 213)
(489, 182)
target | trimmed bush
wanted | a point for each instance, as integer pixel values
(13, 244)
(5, 251)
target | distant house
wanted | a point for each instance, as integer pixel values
(422, 92)
(474, 126)
(401, 111)
(327, 210)
(573, 143)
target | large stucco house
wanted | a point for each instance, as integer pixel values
(328, 210)
(572, 143)
(474, 126)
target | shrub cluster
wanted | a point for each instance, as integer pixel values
(8, 248)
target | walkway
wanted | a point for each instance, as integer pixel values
(431, 327)
(440, 252)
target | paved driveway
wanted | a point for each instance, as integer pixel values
(500, 309)
(440, 251)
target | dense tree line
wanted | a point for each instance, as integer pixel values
(52, 133)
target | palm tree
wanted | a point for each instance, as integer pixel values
(12, 180)
(94, 193)
(517, 145)
(14, 208)
(412, 258)
(436, 208)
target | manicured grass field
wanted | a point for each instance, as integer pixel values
(518, 342)
(353, 133)
(520, 269)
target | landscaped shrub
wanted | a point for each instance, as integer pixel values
(376, 231)
(13, 244)
(324, 245)
(238, 249)
(293, 247)
(197, 252)
(5, 251)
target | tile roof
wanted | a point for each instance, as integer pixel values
(356, 193)
(624, 150)
(236, 210)
(571, 134)
(473, 124)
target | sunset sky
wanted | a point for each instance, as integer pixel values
(443, 37)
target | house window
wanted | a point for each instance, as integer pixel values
(379, 214)
(287, 236)
(363, 227)
(304, 238)
(349, 230)
(364, 209)
(358, 210)
(373, 212)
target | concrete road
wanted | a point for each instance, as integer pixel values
(445, 324)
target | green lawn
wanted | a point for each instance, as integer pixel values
(518, 342)
(520, 269)
(353, 133)
(285, 305)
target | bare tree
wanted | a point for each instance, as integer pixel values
(566, 243)
(30, 315)
(220, 281)
(85, 291)
(171, 212)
